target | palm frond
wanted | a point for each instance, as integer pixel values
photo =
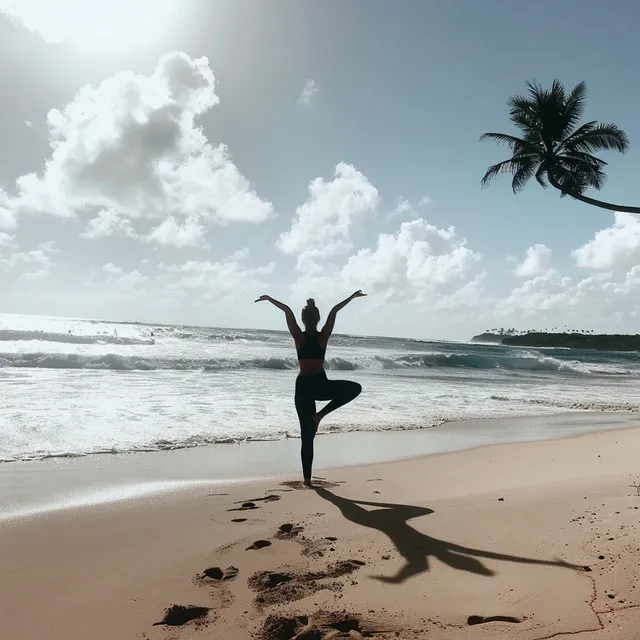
(522, 113)
(541, 175)
(598, 137)
(575, 175)
(572, 108)
(580, 131)
(512, 165)
(527, 168)
(585, 159)
(517, 145)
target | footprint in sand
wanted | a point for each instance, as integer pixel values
(239, 520)
(270, 580)
(178, 614)
(288, 531)
(471, 620)
(269, 498)
(317, 482)
(274, 588)
(245, 506)
(316, 627)
(259, 544)
(216, 573)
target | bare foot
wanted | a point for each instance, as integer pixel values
(307, 483)
(316, 420)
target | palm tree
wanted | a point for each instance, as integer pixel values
(553, 148)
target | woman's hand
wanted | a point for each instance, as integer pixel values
(264, 299)
(358, 294)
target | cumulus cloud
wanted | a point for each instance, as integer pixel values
(217, 280)
(125, 281)
(108, 223)
(401, 208)
(7, 216)
(7, 239)
(31, 264)
(309, 91)
(630, 285)
(321, 226)
(180, 235)
(131, 145)
(419, 263)
(537, 261)
(418, 256)
(555, 301)
(471, 295)
(613, 247)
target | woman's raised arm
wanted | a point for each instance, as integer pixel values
(292, 325)
(331, 318)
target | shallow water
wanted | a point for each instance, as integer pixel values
(73, 387)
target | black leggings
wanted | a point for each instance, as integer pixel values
(308, 390)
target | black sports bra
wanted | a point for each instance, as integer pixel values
(311, 350)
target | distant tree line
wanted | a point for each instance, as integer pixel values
(501, 331)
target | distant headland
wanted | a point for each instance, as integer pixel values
(567, 339)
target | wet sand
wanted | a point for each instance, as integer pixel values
(532, 540)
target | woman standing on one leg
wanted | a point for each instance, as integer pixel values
(312, 383)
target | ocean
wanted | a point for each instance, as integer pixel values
(74, 387)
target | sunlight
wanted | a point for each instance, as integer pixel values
(95, 26)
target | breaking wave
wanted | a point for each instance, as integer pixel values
(523, 361)
(16, 335)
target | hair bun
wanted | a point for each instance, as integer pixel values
(311, 302)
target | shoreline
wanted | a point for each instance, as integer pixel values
(536, 539)
(58, 484)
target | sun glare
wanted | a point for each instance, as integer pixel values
(101, 27)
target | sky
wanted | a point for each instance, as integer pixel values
(170, 161)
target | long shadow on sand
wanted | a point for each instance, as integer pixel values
(416, 547)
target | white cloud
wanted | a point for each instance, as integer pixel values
(629, 286)
(125, 281)
(322, 224)
(7, 239)
(419, 263)
(131, 145)
(419, 256)
(309, 91)
(172, 233)
(551, 291)
(405, 209)
(7, 216)
(402, 207)
(108, 223)
(537, 261)
(217, 280)
(613, 247)
(112, 269)
(35, 263)
(470, 295)
(555, 301)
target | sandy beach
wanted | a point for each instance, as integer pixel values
(532, 540)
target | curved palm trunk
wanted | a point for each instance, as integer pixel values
(593, 201)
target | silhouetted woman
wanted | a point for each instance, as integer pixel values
(312, 383)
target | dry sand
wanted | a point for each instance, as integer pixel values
(536, 540)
